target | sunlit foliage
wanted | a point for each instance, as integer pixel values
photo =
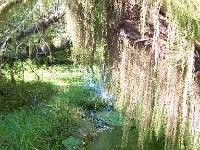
(154, 83)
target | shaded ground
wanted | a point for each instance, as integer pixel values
(66, 116)
(44, 114)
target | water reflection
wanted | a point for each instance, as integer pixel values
(111, 140)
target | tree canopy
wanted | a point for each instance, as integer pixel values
(147, 51)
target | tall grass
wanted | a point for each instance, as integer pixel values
(43, 121)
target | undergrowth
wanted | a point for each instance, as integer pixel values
(36, 114)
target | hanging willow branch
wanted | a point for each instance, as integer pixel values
(197, 43)
(41, 26)
(35, 52)
(7, 5)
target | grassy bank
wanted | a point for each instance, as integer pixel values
(36, 114)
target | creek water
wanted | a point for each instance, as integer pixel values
(111, 140)
(114, 138)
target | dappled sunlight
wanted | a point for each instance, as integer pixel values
(50, 117)
(88, 74)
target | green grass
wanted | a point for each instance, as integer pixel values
(42, 124)
(26, 129)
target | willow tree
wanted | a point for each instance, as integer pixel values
(147, 51)
(151, 50)
(31, 30)
(160, 88)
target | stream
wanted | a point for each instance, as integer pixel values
(107, 124)
(110, 140)
(103, 129)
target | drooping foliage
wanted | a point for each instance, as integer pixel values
(151, 47)
(162, 93)
(147, 52)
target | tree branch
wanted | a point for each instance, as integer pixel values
(7, 5)
(35, 52)
(41, 26)
(197, 43)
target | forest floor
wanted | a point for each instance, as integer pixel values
(55, 108)
(52, 108)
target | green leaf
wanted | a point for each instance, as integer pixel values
(71, 142)
(112, 118)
